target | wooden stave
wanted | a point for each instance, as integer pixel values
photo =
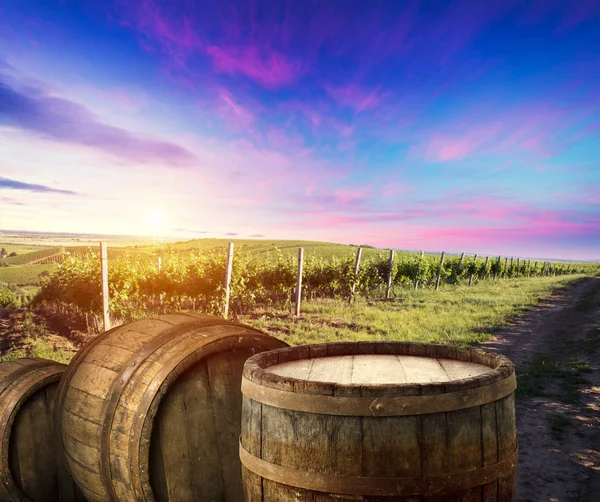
(15, 390)
(197, 322)
(253, 436)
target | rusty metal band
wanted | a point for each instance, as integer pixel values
(68, 375)
(7, 419)
(29, 368)
(385, 406)
(125, 376)
(356, 485)
(252, 339)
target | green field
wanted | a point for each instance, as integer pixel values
(455, 314)
(21, 248)
(24, 275)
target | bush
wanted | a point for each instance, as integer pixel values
(8, 299)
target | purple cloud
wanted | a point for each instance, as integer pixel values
(34, 109)
(266, 66)
(31, 187)
(355, 97)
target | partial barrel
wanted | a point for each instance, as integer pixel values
(31, 465)
(151, 410)
(378, 421)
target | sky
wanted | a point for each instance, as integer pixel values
(446, 126)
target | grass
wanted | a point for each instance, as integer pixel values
(26, 275)
(38, 348)
(33, 342)
(545, 377)
(459, 315)
(28, 257)
(21, 248)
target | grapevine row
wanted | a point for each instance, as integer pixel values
(138, 288)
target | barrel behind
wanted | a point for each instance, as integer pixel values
(151, 410)
(378, 422)
(31, 467)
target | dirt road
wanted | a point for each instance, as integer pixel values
(556, 350)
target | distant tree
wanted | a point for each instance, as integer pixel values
(12, 254)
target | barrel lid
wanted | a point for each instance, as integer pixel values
(378, 369)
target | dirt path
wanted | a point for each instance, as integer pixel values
(556, 350)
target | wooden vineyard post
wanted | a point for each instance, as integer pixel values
(505, 265)
(417, 280)
(439, 274)
(422, 253)
(460, 262)
(104, 268)
(518, 267)
(389, 277)
(299, 281)
(497, 268)
(471, 276)
(356, 266)
(485, 274)
(228, 279)
(160, 296)
(511, 266)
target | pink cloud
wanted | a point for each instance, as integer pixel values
(444, 147)
(234, 112)
(175, 35)
(356, 97)
(266, 66)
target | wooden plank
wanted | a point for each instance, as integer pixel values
(433, 441)
(336, 369)
(295, 369)
(462, 369)
(377, 369)
(507, 442)
(422, 369)
(225, 370)
(252, 439)
(390, 445)
(463, 432)
(94, 380)
(178, 474)
(489, 442)
(201, 433)
(109, 356)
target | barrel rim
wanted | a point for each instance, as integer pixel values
(140, 440)
(45, 373)
(254, 370)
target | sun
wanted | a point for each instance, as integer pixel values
(156, 221)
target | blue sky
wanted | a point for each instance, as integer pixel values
(458, 126)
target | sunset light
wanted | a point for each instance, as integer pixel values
(466, 126)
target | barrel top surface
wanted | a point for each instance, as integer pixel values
(378, 369)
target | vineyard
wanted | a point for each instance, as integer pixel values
(194, 279)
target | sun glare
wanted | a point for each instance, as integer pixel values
(156, 221)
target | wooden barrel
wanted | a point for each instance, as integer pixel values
(31, 465)
(378, 421)
(151, 410)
